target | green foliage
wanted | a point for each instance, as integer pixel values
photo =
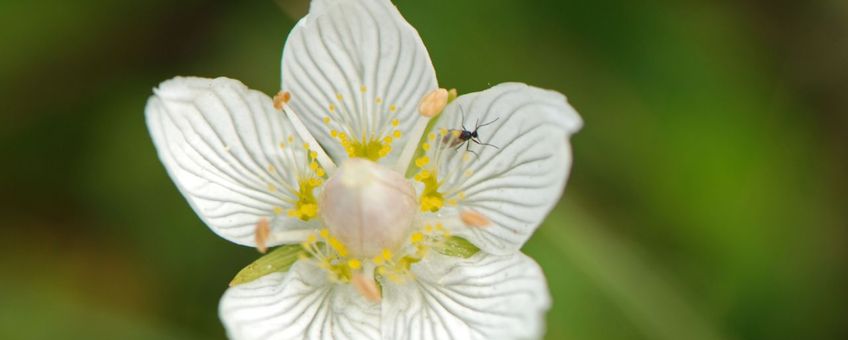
(278, 260)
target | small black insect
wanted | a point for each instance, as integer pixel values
(456, 138)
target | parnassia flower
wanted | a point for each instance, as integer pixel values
(399, 209)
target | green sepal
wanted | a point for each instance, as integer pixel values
(278, 260)
(457, 247)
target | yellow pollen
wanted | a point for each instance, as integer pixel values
(339, 97)
(431, 199)
(396, 134)
(422, 161)
(378, 260)
(387, 254)
(332, 107)
(354, 264)
(417, 237)
(306, 206)
(334, 133)
(320, 172)
(392, 108)
(395, 122)
(431, 137)
(326, 120)
(425, 146)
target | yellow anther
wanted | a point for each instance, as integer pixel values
(291, 139)
(395, 122)
(452, 202)
(271, 168)
(306, 146)
(354, 264)
(311, 239)
(387, 139)
(431, 137)
(334, 133)
(387, 254)
(425, 146)
(314, 182)
(443, 131)
(396, 134)
(422, 161)
(378, 260)
(337, 246)
(326, 120)
(332, 107)
(282, 145)
(320, 172)
(363, 89)
(309, 210)
(339, 97)
(417, 237)
(392, 108)
(278, 210)
(313, 165)
(325, 233)
(313, 154)
(378, 100)
(271, 187)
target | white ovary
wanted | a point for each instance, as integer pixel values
(368, 207)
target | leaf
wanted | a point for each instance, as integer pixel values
(278, 260)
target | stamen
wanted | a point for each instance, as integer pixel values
(431, 106)
(263, 230)
(474, 219)
(304, 134)
(366, 286)
(281, 99)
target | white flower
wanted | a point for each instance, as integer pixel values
(332, 166)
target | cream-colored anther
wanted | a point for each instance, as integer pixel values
(474, 219)
(263, 231)
(366, 286)
(281, 99)
(433, 103)
(368, 207)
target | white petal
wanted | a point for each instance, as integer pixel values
(220, 142)
(300, 304)
(344, 47)
(516, 183)
(483, 297)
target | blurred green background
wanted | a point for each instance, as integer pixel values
(707, 200)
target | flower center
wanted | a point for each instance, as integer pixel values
(368, 207)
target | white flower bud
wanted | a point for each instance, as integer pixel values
(368, 207)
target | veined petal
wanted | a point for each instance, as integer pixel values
(356, 67)
(299, 304)
(518, 179)
(232, 155)
(483, 297)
